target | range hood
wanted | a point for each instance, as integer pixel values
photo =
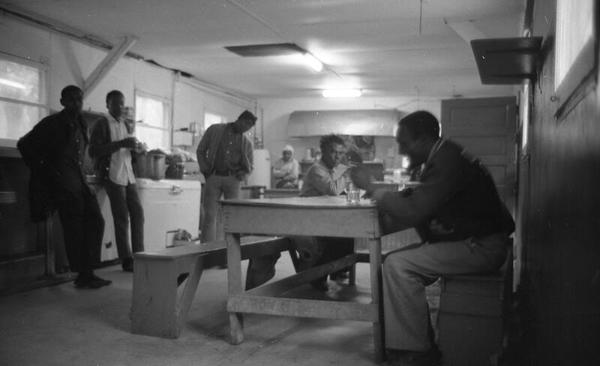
(365, 122)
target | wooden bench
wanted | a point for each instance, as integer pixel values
(472, 316)
(159, 307)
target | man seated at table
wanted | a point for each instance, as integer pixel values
(326, 177)
(461, 219)
(286, 169)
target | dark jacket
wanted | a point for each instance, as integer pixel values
(53, 150)
(101, 148)
(457, 199)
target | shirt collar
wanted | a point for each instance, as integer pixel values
(434, 149)
(113, 119)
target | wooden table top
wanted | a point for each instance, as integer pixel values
(301, 202)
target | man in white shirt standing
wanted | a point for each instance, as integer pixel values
(112, 144)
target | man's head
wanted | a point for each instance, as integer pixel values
(115, 103)
(71, 98)
(417, 133)
(332, 150)
(245, 121)
(287, 153)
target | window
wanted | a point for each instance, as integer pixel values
(575, 53)
(211, 119)
(22, 97)
(152, 113)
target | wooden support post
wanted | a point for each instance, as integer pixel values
(107, 64)
(376, 300)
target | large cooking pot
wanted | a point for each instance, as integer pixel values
(151, 165)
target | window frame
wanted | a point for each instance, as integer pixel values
(223, 119)
(43, 92)
(167, 107)
(580, 75)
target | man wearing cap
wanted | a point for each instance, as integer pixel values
(286, 169)
(225, 158)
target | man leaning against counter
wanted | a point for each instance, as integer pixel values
(112, 145)
(54, 152)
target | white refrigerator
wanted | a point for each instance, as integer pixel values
(169, 205)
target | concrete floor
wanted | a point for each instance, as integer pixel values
(61, 325)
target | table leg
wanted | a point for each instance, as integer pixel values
(352, 277)
(375, 266)
(234, 280)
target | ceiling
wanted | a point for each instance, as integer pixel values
(384, 47)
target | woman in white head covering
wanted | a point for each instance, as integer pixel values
(286, 169)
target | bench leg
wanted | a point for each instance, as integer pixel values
(234, 279)
(189, 291)
(236, 328)
(154, 299)
(157, 308)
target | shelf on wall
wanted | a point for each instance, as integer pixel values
(506, 60)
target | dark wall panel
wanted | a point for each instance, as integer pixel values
(562, 245)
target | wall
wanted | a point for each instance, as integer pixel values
(191, 101)
(562, 250)
(276, 113)
(70, 61)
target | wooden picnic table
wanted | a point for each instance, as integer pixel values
(314, 216)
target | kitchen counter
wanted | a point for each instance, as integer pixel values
(9, 152)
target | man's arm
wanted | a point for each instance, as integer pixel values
(277, 169)
(35, 148)
(202, 150)
(293, 176)
(320, 180)
(100, 143)
(249, 154)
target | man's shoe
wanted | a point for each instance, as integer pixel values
(415, 358)
(101, 280)
(340, 275)
(127, 264)
(90, 281)
(320, 285)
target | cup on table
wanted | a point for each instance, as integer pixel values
(352, 194)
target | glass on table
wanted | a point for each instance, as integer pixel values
(352, 193)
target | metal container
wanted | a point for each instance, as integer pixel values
(157, 166)
(151, 165)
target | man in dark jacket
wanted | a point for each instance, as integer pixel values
(54, 150)
(461, 219)
(112, 145)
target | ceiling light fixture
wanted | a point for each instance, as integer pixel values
(279, 49)
(312, 61)
(342, 93)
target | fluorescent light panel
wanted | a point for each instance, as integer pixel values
(278, 49)
(342, 93)
(312, 62)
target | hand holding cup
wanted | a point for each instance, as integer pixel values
(129, 143)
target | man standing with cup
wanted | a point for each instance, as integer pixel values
(112, 145)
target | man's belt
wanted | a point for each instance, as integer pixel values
(224, 173)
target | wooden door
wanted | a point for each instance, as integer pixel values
(486, 128)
